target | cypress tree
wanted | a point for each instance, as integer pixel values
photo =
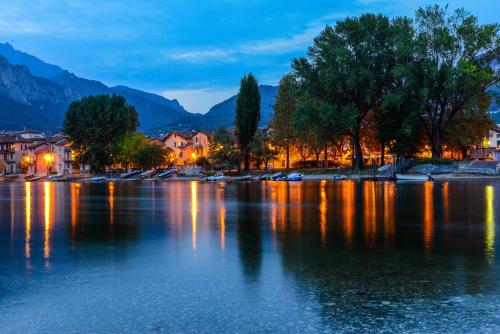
(247, 115)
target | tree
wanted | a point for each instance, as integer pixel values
(247, 115)
(94, 123)
(150, 156)
(453, 68)
(348, 71)
(125, 146)
(280, 127)
(469, 128)
(262, 150)
(222, 149)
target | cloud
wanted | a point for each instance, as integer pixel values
(293, 43)
(197, 99)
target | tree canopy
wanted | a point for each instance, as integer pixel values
(247, 115)
(94, 123)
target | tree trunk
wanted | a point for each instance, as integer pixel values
(316, 154)
(247, 161)
(287, 157)
(436, 143)
(464, 153)
(382, 153)
(326, 157)
(358, 163)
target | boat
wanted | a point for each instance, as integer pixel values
(147, 173)
(55, 177)
(217, 177)
(243, 178)
(128, 175)
(414, 177)
(34, 178)
(264, 177)
(294, 176)
(339, 178)
(97, 179)
(276, 176)
(167, 174)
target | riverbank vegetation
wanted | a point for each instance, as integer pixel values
(102, 130)
(396, 85)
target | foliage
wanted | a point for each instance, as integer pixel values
(347, 71)
(202, 161)
(262, 150)
(247, 115)
(222, 149)
(280, 128)
(468, 129)
(435, 161)
(452, 68)
(94, 123)
(150, 156)
(125, 146)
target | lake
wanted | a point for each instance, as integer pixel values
(270, 257)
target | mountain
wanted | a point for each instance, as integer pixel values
(37, 67)
(46, 96)
(224, 112)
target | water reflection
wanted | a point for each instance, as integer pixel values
(336, 250)
(428, 215)
(47, 207)
(490, 224)
(27, 247)
(194, 211)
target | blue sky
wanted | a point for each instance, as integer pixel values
(195, 51)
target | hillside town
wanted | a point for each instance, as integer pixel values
(34, 153)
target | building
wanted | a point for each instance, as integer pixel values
(187, 145)
(490, 147)
(52, 156)
(13, 149)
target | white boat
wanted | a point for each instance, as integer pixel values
(129, 174)
(339, 178)
(276, 176)
(244, 178)
(97, 179)
(413, 177)
(217, 177)
(294, 176)
(55, 177)
(166, 174)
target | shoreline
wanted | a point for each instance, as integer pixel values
(307, 177)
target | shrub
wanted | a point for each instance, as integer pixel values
(435, 161)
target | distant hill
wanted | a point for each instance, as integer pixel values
(37, 67)
(45, 96)
(224, 113)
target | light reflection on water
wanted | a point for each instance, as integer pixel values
(349, 244)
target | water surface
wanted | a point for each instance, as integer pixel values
(275, 257)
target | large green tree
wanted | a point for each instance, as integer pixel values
(348, 71)
(452, 69)
(94, 123)
(262, 150)
(222, 149)
(247, 115)
(281, 130)
(150, 156)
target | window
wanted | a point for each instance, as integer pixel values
(175, 144)
(196, 139)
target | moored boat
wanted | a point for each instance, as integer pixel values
(217, 177)
(413, 177)
(339, 178)
(244, 178)
(294, 176)
(97, 179)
